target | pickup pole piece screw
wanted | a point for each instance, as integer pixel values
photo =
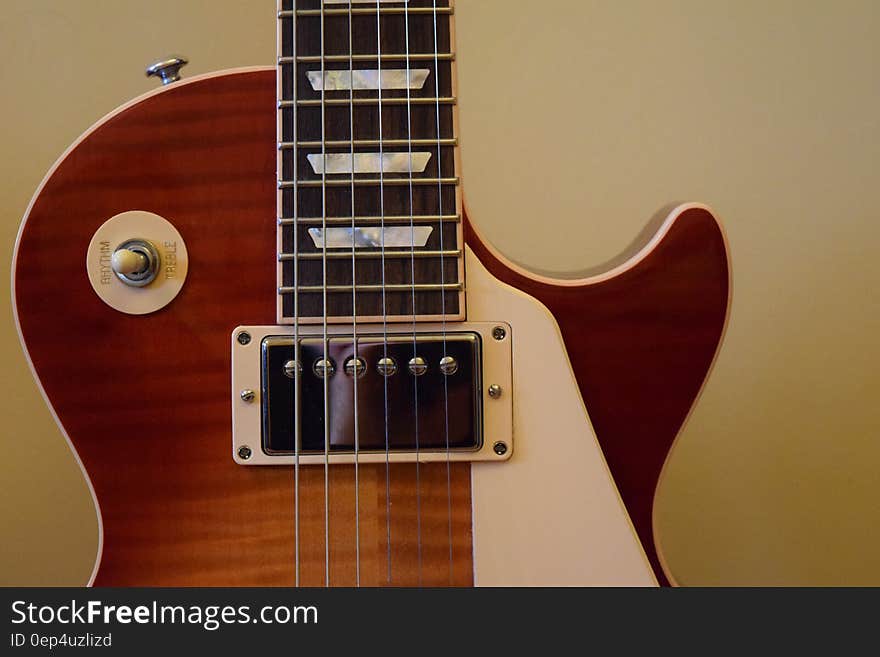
(291, 367)
(386, 366)
(495, 391)
(500, 448)
(355, 365)
(448, 365)
(417, 365)
(244, 338)
(248, 395)
(324, 367)
(499, 333)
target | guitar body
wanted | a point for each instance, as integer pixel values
(144, 400)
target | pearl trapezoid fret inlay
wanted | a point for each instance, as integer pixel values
(371, 236)
(341, 163)
(369, 79)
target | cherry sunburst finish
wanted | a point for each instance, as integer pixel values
(145, 399)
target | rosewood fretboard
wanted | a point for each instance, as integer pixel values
(389, 138)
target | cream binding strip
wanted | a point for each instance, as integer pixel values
(371, 236)
(369, 79)
(341, 163)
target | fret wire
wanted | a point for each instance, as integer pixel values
(286, 145)
(317, 102)
(419, 287)
(337, 255)
(287, 13)
(367, 57)
(426, 218)
(366, 182)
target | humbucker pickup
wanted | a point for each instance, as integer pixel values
(441, 393)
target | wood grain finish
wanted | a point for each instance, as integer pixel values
(176, 510)
(641, 344)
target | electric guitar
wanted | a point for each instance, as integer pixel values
(283, 355)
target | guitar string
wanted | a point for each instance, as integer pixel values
(412, 229)
(354, 339)
(297, 436)
(326, 356)
(442, 281)
(384, 304)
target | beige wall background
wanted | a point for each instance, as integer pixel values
(579, 120)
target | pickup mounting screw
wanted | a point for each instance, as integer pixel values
(248, 395)
(500, 448)
(495, 391)
(499, 333)
(244, 338)
(244, 452)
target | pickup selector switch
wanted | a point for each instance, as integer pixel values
(136, 262)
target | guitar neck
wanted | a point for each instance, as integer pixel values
(369, 200)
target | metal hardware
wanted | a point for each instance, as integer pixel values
(425, 218)
(371, 236)
(386, 366)
(500, 448)
(499, 333)
(136, 262)
(247, 395)
(168, 70)
(361, 2)
(366, 182)
(245, 453)
(358, 365)
(243, 338)
(417, 366)
(495, 391)
(284, 145)
(393, 57)
(391, 100)
(448, 365)
(419, 287)
(283, 402)
(324, 367)
(440, 11)
(282, 405)
(346, 255)
(291, 368)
